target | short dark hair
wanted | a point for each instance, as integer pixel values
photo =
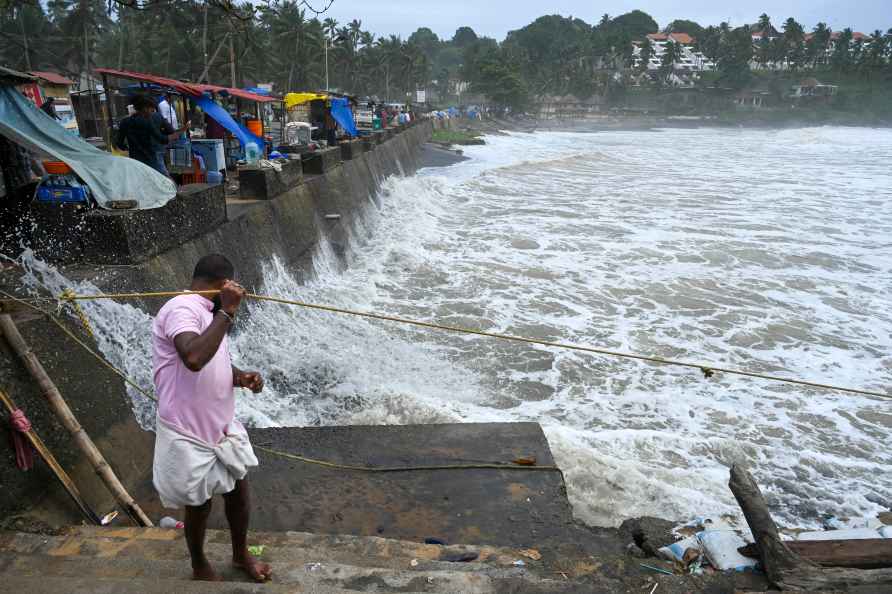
(141, 102)
(213, 267)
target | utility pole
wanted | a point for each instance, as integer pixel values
(213, 58)
(204, 37)
(121, 46)
(232, 60)
(326, 63)
(25, 37)
(86, 47)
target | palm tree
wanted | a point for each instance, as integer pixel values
(287, 30)
(387, 55)
(764, 24)
(670, 58)
(645, 55)
(330, 27)
(816, 48)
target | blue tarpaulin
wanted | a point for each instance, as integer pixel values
(340, 111)
(110, 178)
(222, 117)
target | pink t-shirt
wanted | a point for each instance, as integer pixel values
(200, 403)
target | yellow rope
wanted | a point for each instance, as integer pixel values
(334, 465)
(470, 466)
(69, 296)
(102, 360)
(706, 369)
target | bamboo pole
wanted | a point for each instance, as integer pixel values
(64, 414)
(54, 465)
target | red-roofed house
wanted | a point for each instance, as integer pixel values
(682, 38)
(657, 36)
(53, 84)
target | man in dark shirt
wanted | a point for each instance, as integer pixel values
(140, 134)
(49, 108)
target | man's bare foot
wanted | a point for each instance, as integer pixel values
(258, 571)
(205, 573)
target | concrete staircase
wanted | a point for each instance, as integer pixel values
(154, 561)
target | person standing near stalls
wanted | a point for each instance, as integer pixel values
(168, 112)
(49, 108)
(140, 134)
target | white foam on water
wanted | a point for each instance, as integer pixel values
(758, 249)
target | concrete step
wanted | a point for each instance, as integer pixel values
(92, 585)
(292, 548)
(301, 576)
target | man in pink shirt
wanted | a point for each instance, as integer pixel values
(200, 449)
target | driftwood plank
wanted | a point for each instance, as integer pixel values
(785, 568)
(868, 553)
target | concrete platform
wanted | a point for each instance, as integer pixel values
(265, 184)
(470, 506)
(321, 161)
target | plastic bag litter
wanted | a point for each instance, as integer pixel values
(720, 547)
(850, 534)
(675, 551)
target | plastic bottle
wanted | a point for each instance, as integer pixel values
(168, 522)
(252, 152)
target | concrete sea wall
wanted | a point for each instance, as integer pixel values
(289, 225)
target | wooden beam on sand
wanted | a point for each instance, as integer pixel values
(69, 421)
(786, 569)
(868, 553)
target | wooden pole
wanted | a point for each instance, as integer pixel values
(63, 413)
(232, 61)
(204, 38)
(213, 57)
(110, 111)
(784, 568)
(25, 38)
(54, 465)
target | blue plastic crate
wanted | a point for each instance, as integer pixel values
(62, 188)
(51, 193)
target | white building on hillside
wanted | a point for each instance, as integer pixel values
(691, 60)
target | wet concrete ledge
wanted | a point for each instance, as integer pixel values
(519, 507)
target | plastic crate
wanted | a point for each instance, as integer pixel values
(180, 153)
(62, 189)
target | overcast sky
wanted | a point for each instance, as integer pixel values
(495, 18)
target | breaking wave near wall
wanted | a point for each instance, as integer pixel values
(762, 250)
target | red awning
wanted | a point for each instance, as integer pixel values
(186, 88)
(177, 85)
(240, 93)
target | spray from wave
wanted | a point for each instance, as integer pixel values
(609, 239)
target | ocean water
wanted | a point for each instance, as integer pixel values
(766, 250)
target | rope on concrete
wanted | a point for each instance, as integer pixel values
(324, 463)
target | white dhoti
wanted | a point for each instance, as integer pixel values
(189, 471)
